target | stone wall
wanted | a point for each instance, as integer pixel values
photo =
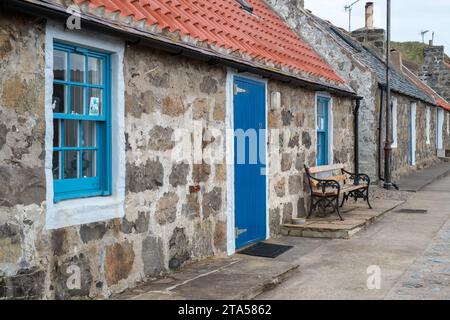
(426, 154)
(359, 77)
(435, 71)
(373, 37)
(446, 132)
(174, 210)
(22, 131)
(294, 125)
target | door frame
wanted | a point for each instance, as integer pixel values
(330, 139)
(229, 123)
(439, 129)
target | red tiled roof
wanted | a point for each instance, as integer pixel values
(262, 35)
(422, 85)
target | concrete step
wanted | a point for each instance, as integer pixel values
(357, 218)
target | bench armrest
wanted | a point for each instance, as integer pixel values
(357, 177)
(324, 184)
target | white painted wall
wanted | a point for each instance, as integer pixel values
(394, 122)
(413, 133)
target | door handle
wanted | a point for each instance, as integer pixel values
(238, 232)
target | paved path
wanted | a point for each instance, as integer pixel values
(416, 181)
(411, 250)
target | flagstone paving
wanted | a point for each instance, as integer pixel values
(411, 250)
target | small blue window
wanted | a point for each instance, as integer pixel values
(322, 131)
(81, 123)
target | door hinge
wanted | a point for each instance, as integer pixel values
(238, 90)
(238, 232)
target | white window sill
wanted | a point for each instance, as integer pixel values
(82, 211)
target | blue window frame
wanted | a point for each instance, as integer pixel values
(81, 123)
(322, 131)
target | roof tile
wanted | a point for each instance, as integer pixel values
(262, 35)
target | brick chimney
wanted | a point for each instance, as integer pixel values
(374, 37)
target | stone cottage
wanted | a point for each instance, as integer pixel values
(359, 59)
(435, 72)
(137, 137)
(442, 111)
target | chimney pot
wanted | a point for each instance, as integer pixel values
(369, 15)
(431, 43)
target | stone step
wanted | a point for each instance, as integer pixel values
(356, 220)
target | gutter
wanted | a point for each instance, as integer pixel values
(134, 36)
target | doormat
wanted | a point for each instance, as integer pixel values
(413, 211)
(265, 250)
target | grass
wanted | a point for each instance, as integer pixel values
(412, 51)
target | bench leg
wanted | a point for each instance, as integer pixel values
(367, 198)
(337, 209)
(343, 200)
(310, 207)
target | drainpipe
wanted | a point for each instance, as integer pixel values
(356, 133)
(388, 143)
(380, 128)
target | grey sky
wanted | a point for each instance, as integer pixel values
(409, 17)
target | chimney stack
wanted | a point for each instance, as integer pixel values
(396, 59)
(375, 37)
(369, 15)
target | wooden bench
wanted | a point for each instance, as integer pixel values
(327, 183)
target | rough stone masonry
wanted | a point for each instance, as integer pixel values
(175, 212)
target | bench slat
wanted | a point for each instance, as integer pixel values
(328, 168)
(340, 178)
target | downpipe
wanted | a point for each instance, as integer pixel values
(380, 140)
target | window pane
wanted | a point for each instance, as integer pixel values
(95, 70)
(71, 133)
(56, 166)
(59, 98)
(77, 68)
(88, 137)
(56, 133)
(95, 102)
(77, 100)
(60, 65)
(70, 164)
(88, 164)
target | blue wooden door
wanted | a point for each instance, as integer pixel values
(322, 131)
(249, 161)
